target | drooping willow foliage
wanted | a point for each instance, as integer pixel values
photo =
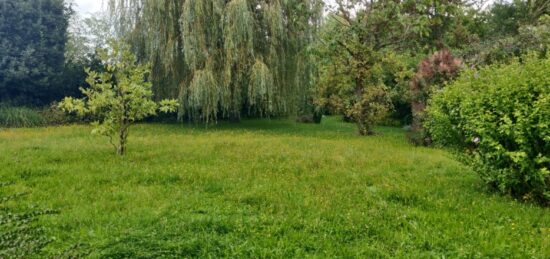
(224, 57)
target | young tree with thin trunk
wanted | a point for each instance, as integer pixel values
(118, 97)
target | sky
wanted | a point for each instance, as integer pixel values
(85, 7)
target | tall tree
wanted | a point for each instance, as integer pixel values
(359, 61)
(33, 34)
(223, 58)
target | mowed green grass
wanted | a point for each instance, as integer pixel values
(264, 188)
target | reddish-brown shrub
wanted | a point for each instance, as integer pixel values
(432, 74)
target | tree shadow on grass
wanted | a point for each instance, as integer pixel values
(330, 128)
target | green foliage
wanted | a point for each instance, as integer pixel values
(360, 69)
(86, 35)
(511, 30)
(205, 95)
(506, 17)
(238, 29)
(223, 41)
(33, 35)
(200, 31)
(443, 21)
(373, 106)
(118, 97)
(500, 116)
(265, 188)
(261, 89)
(535, 37)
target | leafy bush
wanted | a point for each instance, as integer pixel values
(54, 116)
(19, 117)
(500, 117)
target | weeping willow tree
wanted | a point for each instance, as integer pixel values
(224, 58)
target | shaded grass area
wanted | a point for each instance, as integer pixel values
(264, 188)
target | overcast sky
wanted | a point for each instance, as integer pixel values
(85, 7)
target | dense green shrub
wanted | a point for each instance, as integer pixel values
(500, 117)
(19, 117)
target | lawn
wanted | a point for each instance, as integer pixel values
(264, 188)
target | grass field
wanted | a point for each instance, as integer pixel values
(264, 189)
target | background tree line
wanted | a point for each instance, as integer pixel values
(33, 35)
(374, 56)
(263, 58)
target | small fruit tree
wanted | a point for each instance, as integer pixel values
(117, 97)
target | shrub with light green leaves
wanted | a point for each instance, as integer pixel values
(118, 97)
(499, 116)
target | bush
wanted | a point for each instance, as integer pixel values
(433, 73)
(499, 116)
(54, 116)
(20, 117)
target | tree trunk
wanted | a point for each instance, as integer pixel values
(317, 117)
(235, 117)
(360, 117)
(418, 110)
(364, 128)
(122, 136)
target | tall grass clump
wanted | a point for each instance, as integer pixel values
(20, 117)
(499, 116)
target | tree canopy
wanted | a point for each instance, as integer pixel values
(33, 35)
(225, 58)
